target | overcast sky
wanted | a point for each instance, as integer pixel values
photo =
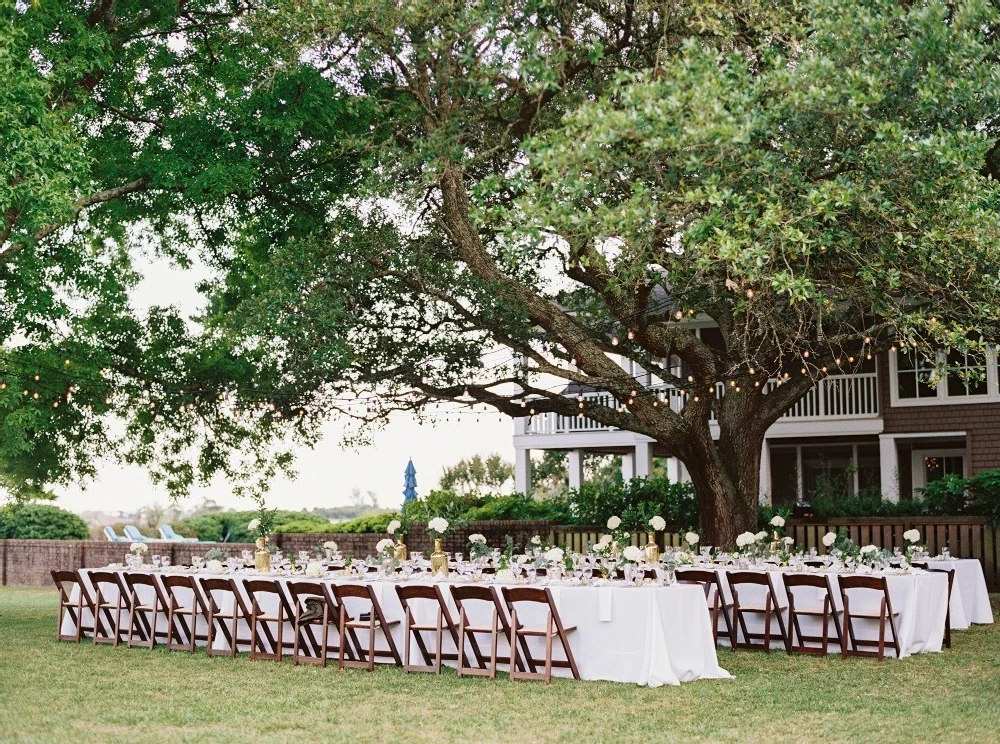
(326, 474)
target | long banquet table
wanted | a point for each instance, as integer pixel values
(650, 635)
(970, 599)
(919, 598)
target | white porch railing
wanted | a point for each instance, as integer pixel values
(835, 397)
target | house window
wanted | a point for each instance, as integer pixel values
(913, 376)
(966, 374)
(938, 466)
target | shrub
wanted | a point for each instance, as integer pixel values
(41, 522)
(948, 496)
(869, 504)
(635, 501)
(231, 526)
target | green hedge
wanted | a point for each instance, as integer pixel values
(41, 522)
(231, 526)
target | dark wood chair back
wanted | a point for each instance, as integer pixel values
(68, 582)
(850, 643)
(770, 609)
(553, 628)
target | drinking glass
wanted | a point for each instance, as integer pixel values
(303, 556)
(247, 556)
(155, 560)
(706, 551)
(946, 554)
(813, 552)
(198, 562)
(165, 561)
(458, 557)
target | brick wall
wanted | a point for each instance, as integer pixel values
(28, 562)
(456, 539)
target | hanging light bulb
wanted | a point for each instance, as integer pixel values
(36, 378)
(696, 399)
(56, 404)
(837, 361)
(614, 340)
(850, 360)
(631, 335)
(634, 393)
(656, 404)
(805, 354)
(3, 385)
(679, 314)
(753, 371)
(756, 383)
(737, 388)
(573, 361)
(690, 378)
(35, 396)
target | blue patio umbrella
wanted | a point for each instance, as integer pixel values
(409, 483)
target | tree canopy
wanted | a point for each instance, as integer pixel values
(488, 201)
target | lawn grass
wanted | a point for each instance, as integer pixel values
(63, 692)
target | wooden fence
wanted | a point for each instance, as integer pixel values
(965, 537)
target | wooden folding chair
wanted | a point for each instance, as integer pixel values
(105, 584)
(66, 582)
(443, 621)
(885, 613)
(260, 628)
(827, 612)
(211, 588)
(178, 613)
(770, 609)
(138, 612)
(553, 628)
(376, 621)
(717, 605)
(462, 595)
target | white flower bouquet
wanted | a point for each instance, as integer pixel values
(555, 555)
(393, 525)
(330, 545)
(477, 546)
(614, 523)
(633, 554)
(829, 539)
(437, 527)
(658, 523)
(138, 548)
(777, 521)
(692, 538)
(385, 547)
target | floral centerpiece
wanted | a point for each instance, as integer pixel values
(138, 550)
(478, 549)
(555, 558)
(329, 547)
(260, 527)
(396, 528)
(436, 528)
(385, 549)
(912, 539)
(656, 524)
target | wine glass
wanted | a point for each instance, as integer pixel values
(155, 560)
(198, 562)
(247, 556)
(165, 561)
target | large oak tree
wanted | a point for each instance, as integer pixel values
(485, 201)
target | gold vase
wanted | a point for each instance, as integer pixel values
(262, 557)
(652, 552)
(775, 542)
(400, 549)
(439, 559)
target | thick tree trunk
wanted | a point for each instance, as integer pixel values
(726, 477)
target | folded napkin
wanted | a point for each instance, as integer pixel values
(604, 594)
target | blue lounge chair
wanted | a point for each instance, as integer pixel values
(167, 533)
(113, 536)
(133, 534)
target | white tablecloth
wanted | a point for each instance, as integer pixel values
(651, 635)
(919, 597)
(970, 600)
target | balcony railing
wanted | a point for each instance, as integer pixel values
(835, 397)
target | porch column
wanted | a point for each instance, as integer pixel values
(765, 474)
(575, 465)
(522, 470)
(674, 474)
(643, 459)
(889, 467)
(628, 467)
